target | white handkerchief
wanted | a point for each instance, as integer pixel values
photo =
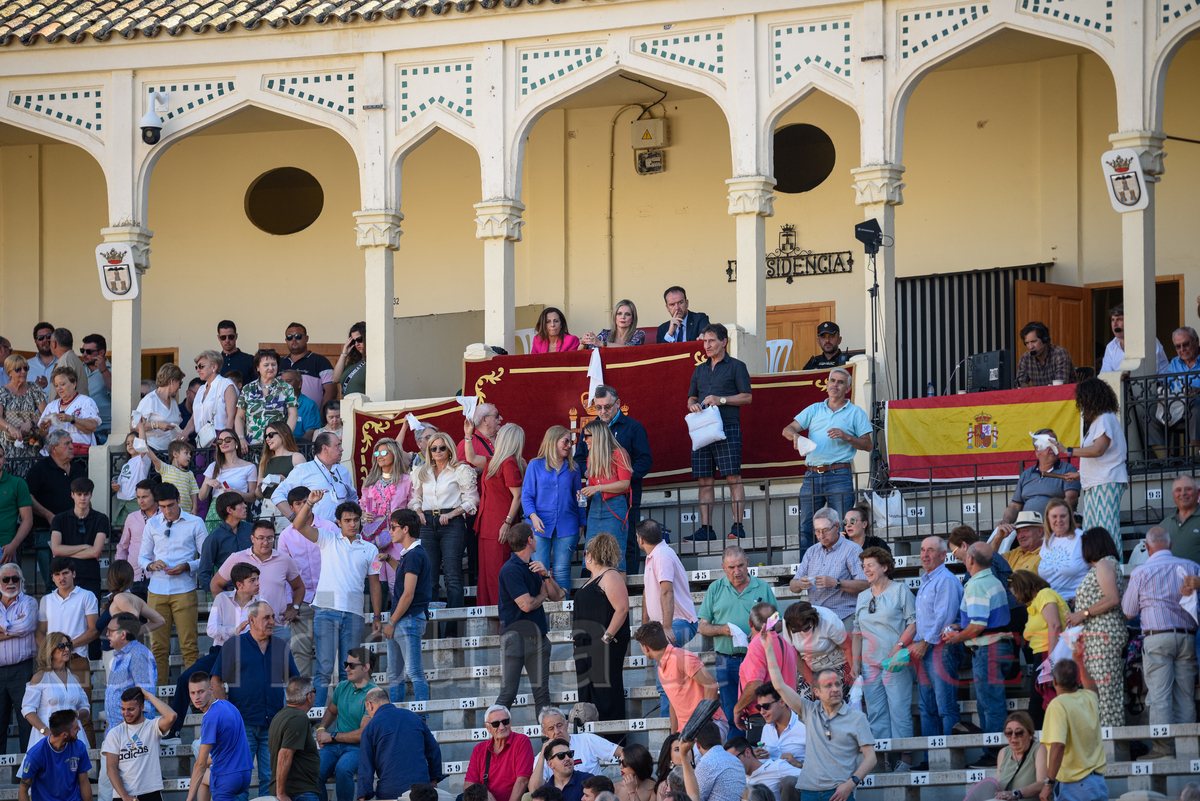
(1043, 441)
(414, 424)
(738, 636)
(468, 404)
(804, 445)
(140, 445)
(1188, 602)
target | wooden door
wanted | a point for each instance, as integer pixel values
(798, 323)
(1066, 311)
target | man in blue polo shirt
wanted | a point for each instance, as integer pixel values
(838, 428)
(224, 758)
(724, 382)
(57, 767)
(524, 586)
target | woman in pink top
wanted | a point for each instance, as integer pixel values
(386, 488)
(550, 335)
(754, 665)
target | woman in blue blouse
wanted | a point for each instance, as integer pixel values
(549, 497)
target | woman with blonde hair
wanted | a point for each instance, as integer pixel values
(53, 687)
(608, 475)
(624, 329)
(549, 497)
(499, 507)
(1062, 564)
(215, 403)
(279, 455)
(21, 404)
(601, 630)
(386, 488)
(159, 410)
(443, 493)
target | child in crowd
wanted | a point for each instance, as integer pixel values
(125, 484)
(177, 471)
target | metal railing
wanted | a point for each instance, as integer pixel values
(1164, 412)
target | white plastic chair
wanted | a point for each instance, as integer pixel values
(776, 347)
(525, 335)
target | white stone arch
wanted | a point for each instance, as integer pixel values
(910, 76)
(212, 114)
(436, 120)
(52, 127)
(821, 83)
(1158, 78)
(579, 82)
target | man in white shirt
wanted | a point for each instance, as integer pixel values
(170, 555)
(346, 560)
(776, 774)
(307, 557)
(589, 749)
(131, 749)
(783, 735)
(323, 473)
(1114, 353)
(667, 597)
(73, 611)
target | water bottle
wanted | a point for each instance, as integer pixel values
(581, 499)
(929, 391)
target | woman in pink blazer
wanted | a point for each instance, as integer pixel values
(550, 335)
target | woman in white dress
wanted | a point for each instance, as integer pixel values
(160, 410)
(76, 414)
(216, 401)
(229, 472)
(53, 687)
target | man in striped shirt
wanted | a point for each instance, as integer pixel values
(1169, 644)
(18, 622)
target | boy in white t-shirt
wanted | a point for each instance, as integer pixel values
(125, 484)
(131, 748)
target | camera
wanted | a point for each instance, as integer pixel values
(152, 122)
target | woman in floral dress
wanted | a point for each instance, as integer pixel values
(1098, 610)
(265, 399)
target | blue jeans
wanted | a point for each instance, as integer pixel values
(404, 659)
(1091, 788)
(824, 795)
(834, 489)
(556, 552)
(335, 634)
(341, 760)
(611, 517)
(889, 701)
(989, 664)
(937, 688)
(727, 683)
(256, 738)
(684, 632)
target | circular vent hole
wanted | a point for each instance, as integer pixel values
(284, 201)
(804, 158)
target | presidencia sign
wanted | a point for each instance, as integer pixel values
(980, 435)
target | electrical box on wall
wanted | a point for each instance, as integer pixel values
(649, 162)
(649, 134)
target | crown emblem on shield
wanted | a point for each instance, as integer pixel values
(983, 433)
(1120, 163)
(578, 420)
(114, 256)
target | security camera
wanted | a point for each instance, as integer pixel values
(152, 123)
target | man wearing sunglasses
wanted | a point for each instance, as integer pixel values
(324, 473)
(315, 369)
(589, 749)
(99, 378)
(43, 363)
(236, 360)
(340, 732)
(504, 763)
(561, 759)
(18, 621)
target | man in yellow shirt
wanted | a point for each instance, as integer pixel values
(1075, 770)
(1027, 552)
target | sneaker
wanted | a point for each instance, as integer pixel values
(702, 534)
(1157, 752)
(170, 741)
(986, 761)
(966, 727)
(902, 767)
(736, 532)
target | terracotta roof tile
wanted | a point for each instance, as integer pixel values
(32, 21)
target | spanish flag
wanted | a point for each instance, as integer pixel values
(981, 435)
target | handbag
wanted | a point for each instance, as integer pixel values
(206, 435)
(705, 427)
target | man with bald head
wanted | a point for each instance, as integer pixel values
(1184, 526)
(983, 624)
(938, 601)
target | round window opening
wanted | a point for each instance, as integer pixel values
(804, 157)
(284, 201)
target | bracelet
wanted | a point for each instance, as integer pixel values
(320, 728)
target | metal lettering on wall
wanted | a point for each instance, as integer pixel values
(790, 261)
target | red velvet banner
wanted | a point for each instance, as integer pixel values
(540, 391)
(445, 414)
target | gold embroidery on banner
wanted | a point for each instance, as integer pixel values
(700, 358)
(492, 378)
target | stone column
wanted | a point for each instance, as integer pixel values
(1137, 255)
(878, 190)
(126, 341)
(378, 232)
(498, 223)
(751, 202)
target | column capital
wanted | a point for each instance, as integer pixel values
(138, 239)
(499, 219)
(879, 183)
(378, 228)
(1149, 147)
(752, 195)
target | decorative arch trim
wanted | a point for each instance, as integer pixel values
(80, 108)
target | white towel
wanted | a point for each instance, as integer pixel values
(468, 404)
(595, 374)
(1043, 441)
(1188, 602)
(804, 445)
(414, 425)
(738, 636)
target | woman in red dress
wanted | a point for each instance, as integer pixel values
(499, 509)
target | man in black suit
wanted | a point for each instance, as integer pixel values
(684, 326)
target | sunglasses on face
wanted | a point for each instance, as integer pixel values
(21, 370)
(226, 337)
(1010, 733)
(294, 337)
(355, 340)
(383, 453)
(571, 755)
(225, 440)
(271, 434)
(10, 580)
(436, 449)
(349, 665)
(88, 351)
(43, 337)
(851, 522)
(65, 645)
(766, 707)
(495, 724)
(587, 436)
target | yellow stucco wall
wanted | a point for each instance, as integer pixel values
(1002, 169)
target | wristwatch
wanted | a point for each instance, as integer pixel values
(722, 401)
(1017, 794)
(42, 731)
(1051, 783)
(857, 781)
(296, 607)
(838, 586)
